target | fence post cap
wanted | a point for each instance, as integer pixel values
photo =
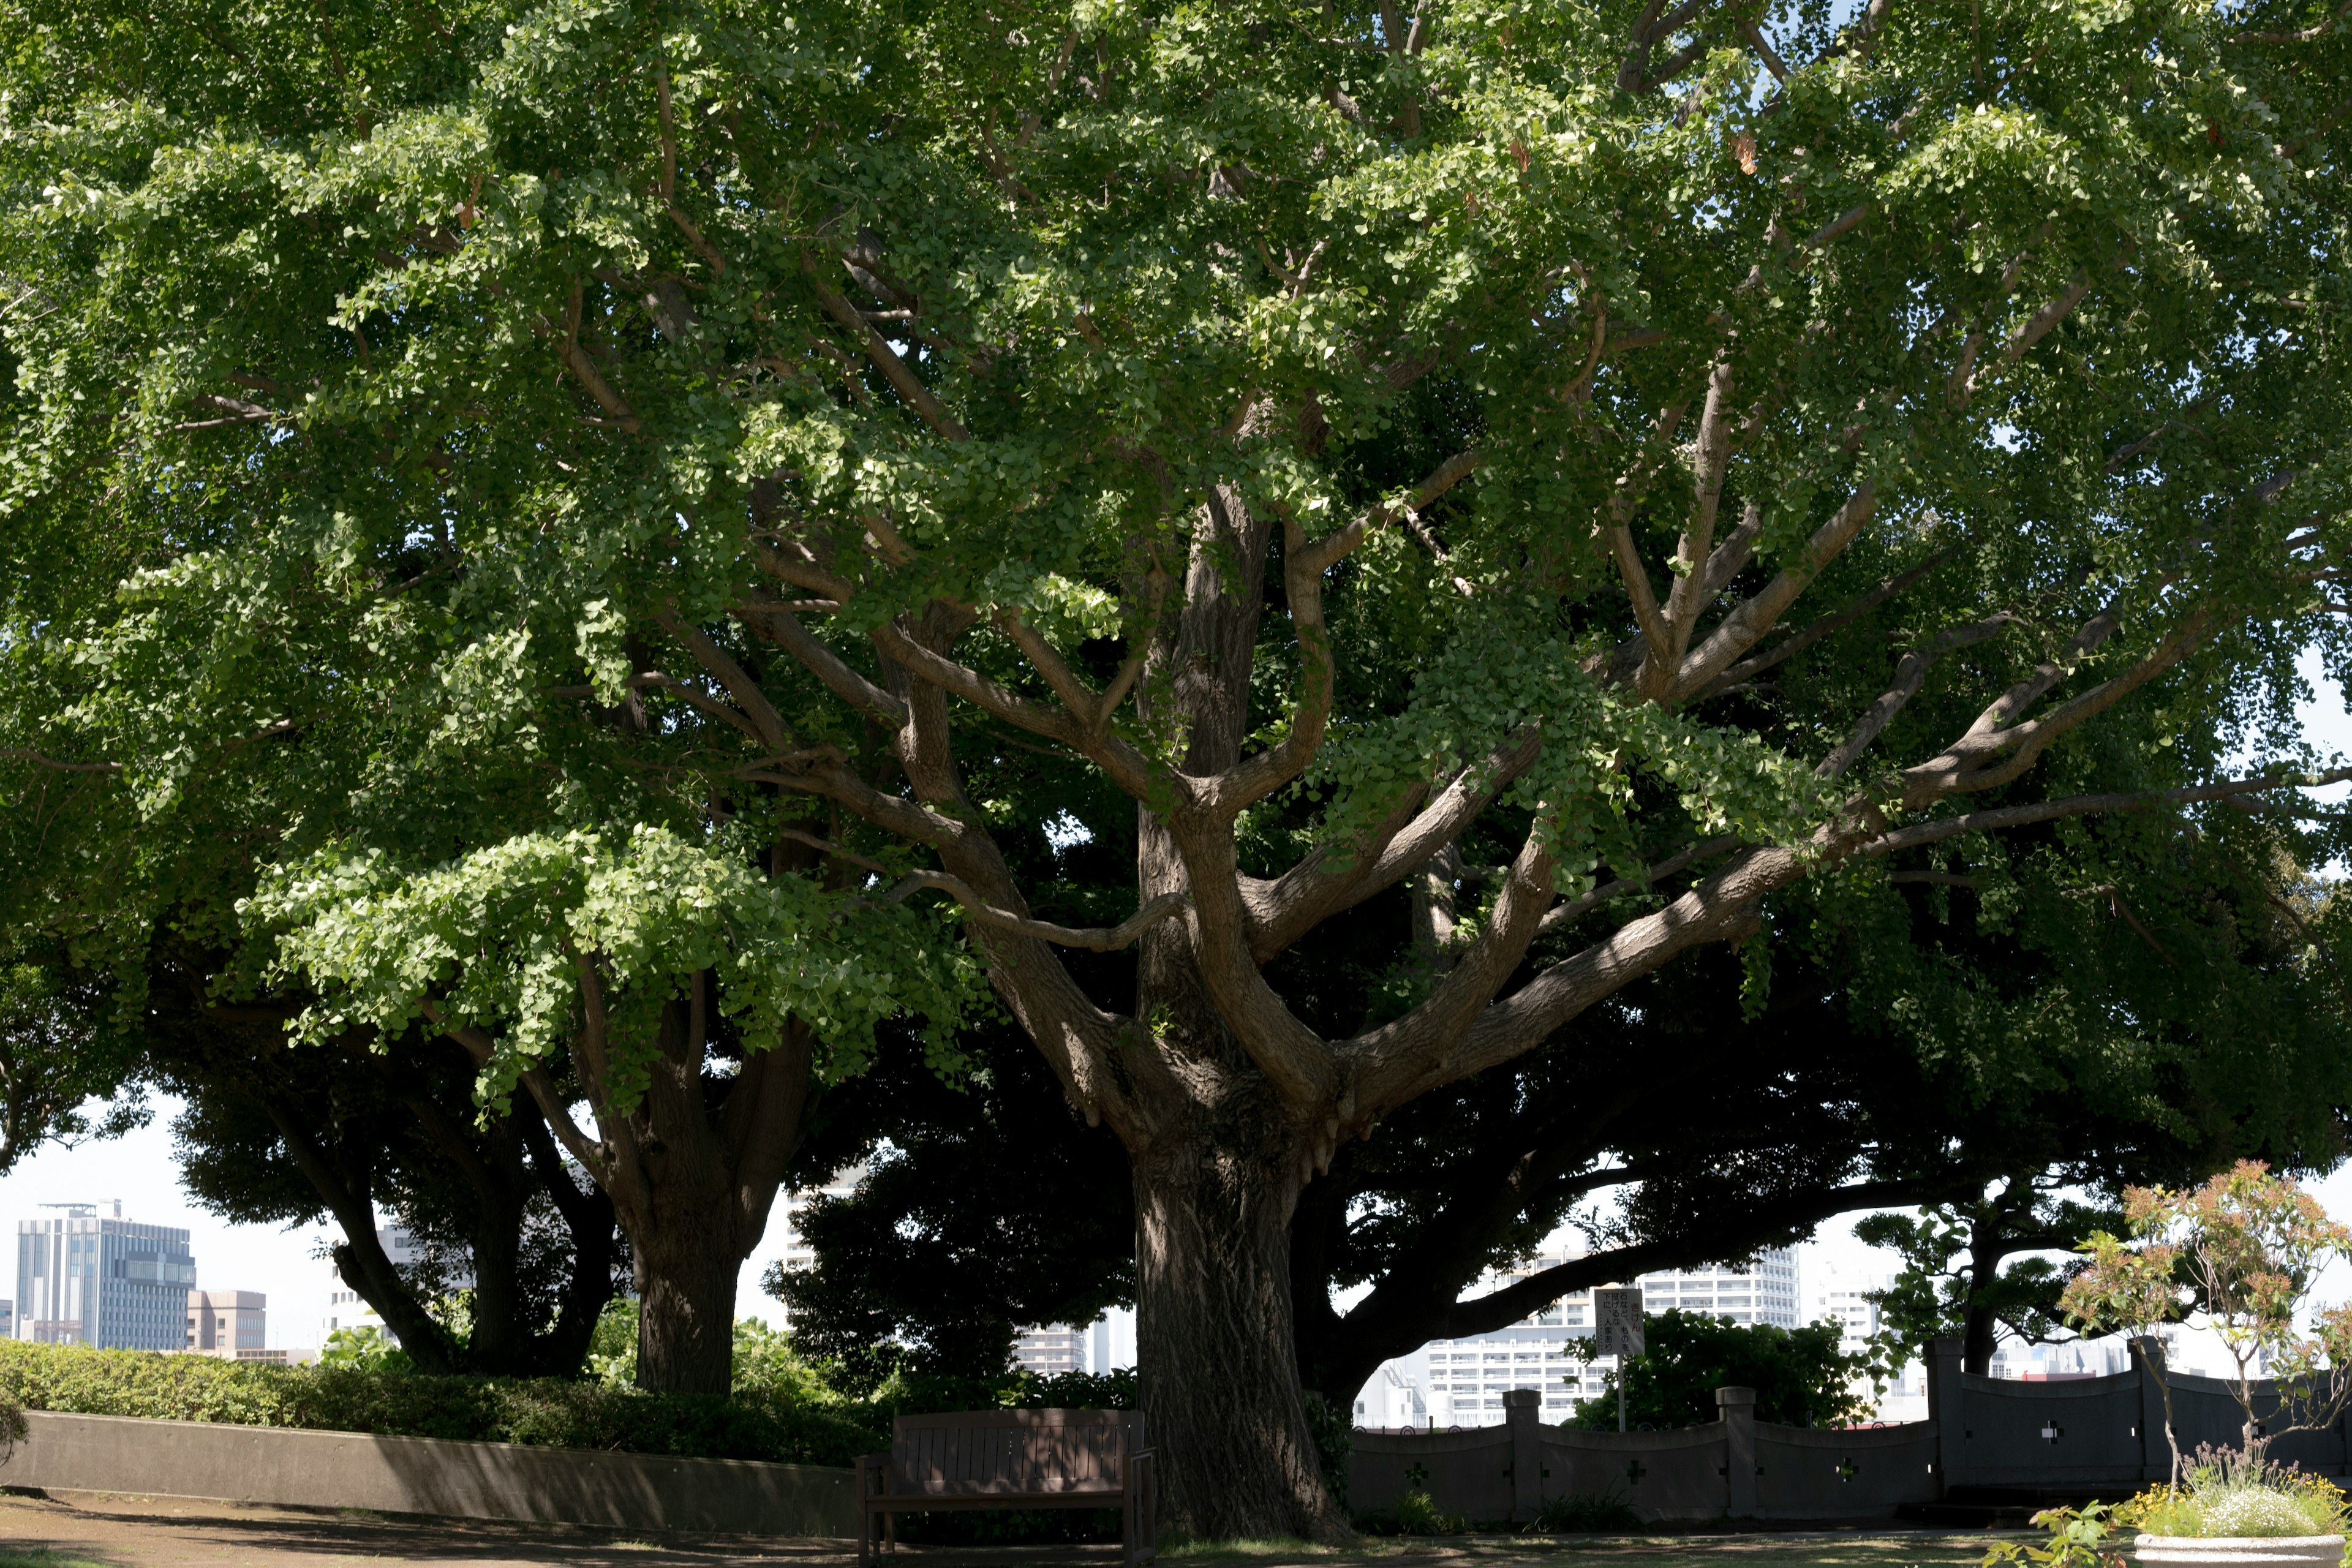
(1728, 1398)
(1521, 1398)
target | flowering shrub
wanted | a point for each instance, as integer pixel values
(2226, 1494)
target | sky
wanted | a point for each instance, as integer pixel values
(290, 1268)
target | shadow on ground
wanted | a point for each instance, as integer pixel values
(115, 1530)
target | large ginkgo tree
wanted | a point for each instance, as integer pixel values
(636, 499)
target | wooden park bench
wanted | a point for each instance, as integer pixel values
(1010, 1459)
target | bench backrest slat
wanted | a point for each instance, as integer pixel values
(985, 1453)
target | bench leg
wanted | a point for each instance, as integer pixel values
(890, 1530)
(865, 1536)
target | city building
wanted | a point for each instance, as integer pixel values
(1110, 1343)
(1844, 1296)
(7, 1320)
(227, 1323)
(2070, 1361)
(1761, 1292)
(1833, 1293)
(108, 1282)
(795, 1201)
(347, 1309)
(1390, 1402)
(1054, 1348)
(1460, 1382)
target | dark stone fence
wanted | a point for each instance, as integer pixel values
(1986, 1439)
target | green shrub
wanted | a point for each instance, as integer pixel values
(543, 1411)
(1334, 1433)
(1417, 1513)
(366, 1347)
(1802, 1377)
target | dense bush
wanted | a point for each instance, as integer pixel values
(543, 1411)
(1801, 1376)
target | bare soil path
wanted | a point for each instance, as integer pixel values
(108, 1530)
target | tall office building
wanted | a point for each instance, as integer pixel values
(111, 1283)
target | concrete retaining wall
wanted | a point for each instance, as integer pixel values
(425, 1475)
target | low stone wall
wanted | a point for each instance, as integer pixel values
(2103, 1434)
(1988, 1437)
(425, 1475)
(1864, 1472)
(1661, 1475)
(1735, 1468)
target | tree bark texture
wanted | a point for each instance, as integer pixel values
(1214, 1335)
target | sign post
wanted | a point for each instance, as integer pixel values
(1617, 1331)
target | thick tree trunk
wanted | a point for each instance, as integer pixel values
(686, 1273)
(1218, 1160)
(1214, 1335)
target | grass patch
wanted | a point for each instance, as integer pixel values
(1277, 1547)
(47, 1560)
(1633, 1550)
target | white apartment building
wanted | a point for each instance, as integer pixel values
(2069, 1361)
(1761, 1292)
(347, 1309)
(1461, 1382)
(1843, 1294)
(1107, 1344)
(1053, 1350)
(1834, 1292)
(791, 1204)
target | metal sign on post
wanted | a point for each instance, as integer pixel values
(1617, 1331)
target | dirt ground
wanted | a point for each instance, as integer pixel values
(105, 1529)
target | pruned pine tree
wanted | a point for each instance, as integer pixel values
(780, 426)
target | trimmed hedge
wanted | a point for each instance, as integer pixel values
(544, 1411)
